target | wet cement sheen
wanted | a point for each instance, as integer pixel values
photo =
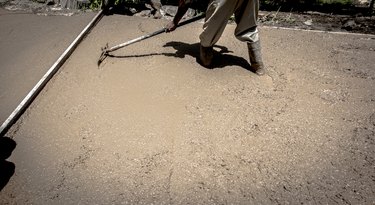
(153, 126)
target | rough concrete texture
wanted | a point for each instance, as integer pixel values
(29, 45)
(153, 126)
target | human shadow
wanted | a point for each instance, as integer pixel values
(221, 59)
(7, 145)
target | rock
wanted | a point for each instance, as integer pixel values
(308, 22)
(133, 10)
(172, 10)
(144, 13)
(366, 2)
(169, 10)
(349, 25)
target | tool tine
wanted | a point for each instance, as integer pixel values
(103, 55)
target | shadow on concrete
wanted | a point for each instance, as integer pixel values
(221, 56)
(7, 145)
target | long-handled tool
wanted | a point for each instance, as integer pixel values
(106, 49)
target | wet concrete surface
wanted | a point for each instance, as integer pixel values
(153, 126)
(29, 45)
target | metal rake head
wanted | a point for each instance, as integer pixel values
(103, 55)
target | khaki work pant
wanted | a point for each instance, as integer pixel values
(218, 14)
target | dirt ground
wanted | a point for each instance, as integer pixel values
(319, 21)
(152, 126)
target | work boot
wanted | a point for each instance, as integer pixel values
(255, 55)
(206, 56)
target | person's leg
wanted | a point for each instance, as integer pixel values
(217, 16)
(246, 16)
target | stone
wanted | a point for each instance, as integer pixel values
(144, 13)
(172, 10)
(349, 25)
(308, 22)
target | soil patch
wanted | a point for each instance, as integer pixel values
(319, 21)
(310, 20)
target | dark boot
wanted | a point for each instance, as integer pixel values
(255, 55)
(206, 56)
